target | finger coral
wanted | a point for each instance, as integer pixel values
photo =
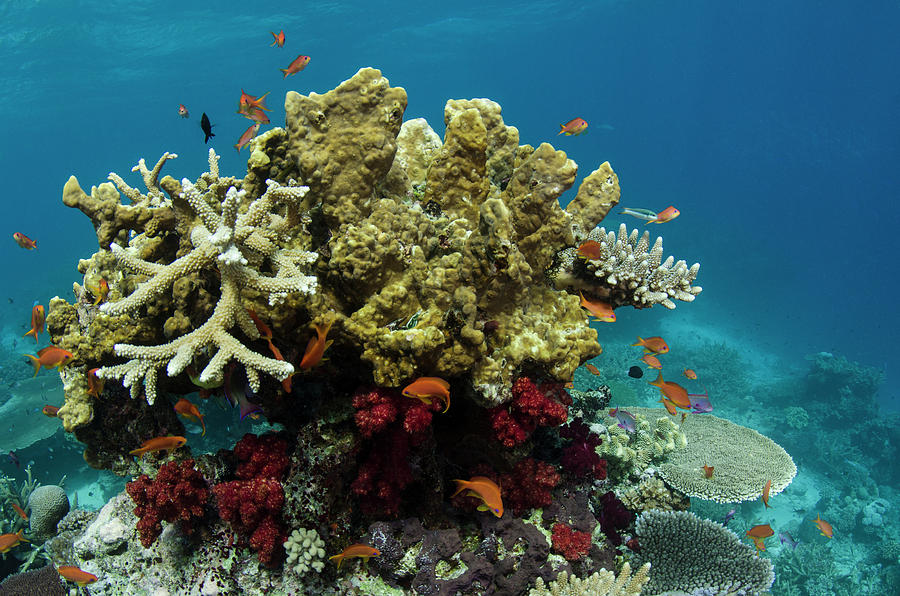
(601, 583)
(688, 553)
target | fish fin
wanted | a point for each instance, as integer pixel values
(36, 362)
(482, 507)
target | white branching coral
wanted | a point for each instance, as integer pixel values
(629, 266)
(154, 196)
(237, 245)
(601, 583)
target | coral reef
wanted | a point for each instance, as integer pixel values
(688, 553)
(629, 454)
(48, 504)
(604, 583)
(652, 493)
(177, 493)
(744, 461)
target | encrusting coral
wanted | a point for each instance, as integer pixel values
(689, 553)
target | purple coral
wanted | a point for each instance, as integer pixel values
(613, 517)
(580, 457)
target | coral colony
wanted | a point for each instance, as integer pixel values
(408, 311)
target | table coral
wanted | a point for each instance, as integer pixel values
(178, 493)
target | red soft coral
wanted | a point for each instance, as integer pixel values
(528, 485)
(377, 408)
(261, 457)
(580, 457)
(178, 493)
(571, 544)
(384, 474)
(531, 406)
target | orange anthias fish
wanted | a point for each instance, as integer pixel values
(183, 111)
(50, 411)
(316, 347)
(677, 394)
(824, 527)
(593, 369)
(667, 214)
(765, 493)
(95, 383)
(10, 541)
(296, 66)
(159, 444)
(652, 361)
(653, 345)
(190, 411)
(248, 101)
(266, 333)
(575, 127)
(360, 551)
(689, 373)
(256, 115)
(37, 321)
(24, 241)
(670, 407)
(486, 490)
(426, 388)
(708, 471)
(759, 534)
(599, 309)
(279, 38)
(100, 291)
(76, 575)
(49, 357)
(21, 512)
(589, 249)
(247, 136)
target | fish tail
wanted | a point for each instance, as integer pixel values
(33, 332)
(461, 485)
(36, 362)
(640, 341)
(203, 424)
(285, 71)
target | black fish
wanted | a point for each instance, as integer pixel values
(207, 127)
(635, 372)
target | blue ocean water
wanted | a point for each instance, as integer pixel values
(772, 126)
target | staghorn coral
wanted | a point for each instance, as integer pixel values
(743, 460)
(229, 242)
(689, 553)
(602, 583)
(629, 271)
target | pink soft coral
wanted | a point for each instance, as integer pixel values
(532, 406)
(178, 493)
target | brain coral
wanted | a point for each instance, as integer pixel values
(743, 460)
(48, 504)
(688, 553)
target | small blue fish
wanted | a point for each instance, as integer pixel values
(786, 538)
(728, 517)
(700, 403)
(626, 419)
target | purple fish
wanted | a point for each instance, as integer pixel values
(626, 419)
(728, 517)
(14, 458)
(237, 391)
(700, 403)
(786, 538)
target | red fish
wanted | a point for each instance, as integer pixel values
(667, 214)
(21, 512)
(708, 471)
(256, 115)
(670, 407)
(50, 411)
(37, 321)
(95, 383)
(824, 527)
(652, 345)
(248, 101)
(158, 444)
(247, 136)
(266, 334)
(24, 241)
(183, 111)
(316, 347)
(652, 361)
(426, 388)
(484, 489)
(589, 249)
(690, 374)
(765, 493)
(50, 357)
(279, 38)
(599, 309)
(296, 66)
(10, 541)
(593, 369)
(677, 394)
(759, 534)
(76, 575)
(361, 551)
(190, 411)
(575, 127)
